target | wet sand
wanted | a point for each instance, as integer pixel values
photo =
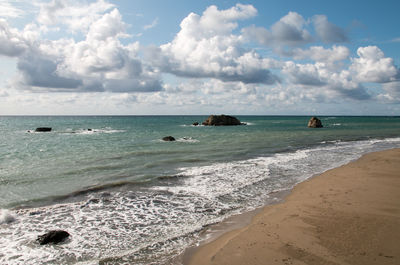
(348, 215)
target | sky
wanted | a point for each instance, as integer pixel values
(177, 57)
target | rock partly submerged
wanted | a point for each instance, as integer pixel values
(53, 236)
(314, 122)
(222, 120)
(168, 139)
(43, 129)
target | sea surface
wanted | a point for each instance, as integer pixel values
(127, 197)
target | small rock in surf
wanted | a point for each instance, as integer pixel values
(168, 139)
(53, 236)
(43, 129)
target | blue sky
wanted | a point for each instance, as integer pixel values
(71, 57)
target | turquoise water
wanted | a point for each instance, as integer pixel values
(127, 196)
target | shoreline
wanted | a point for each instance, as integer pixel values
(346, 215)
(232, 223)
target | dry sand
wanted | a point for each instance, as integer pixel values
(348, 215)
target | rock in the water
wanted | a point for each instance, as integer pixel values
(195, 123)
(43, 129)
(168, 138)
(53, 236)
(221, 120)
(314, 122)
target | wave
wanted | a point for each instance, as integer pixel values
(187, 140)
(89, 131)
(6, 217)
(181, 140)
(144, 224)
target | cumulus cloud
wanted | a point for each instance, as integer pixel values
(110, 25)
(206, 48)
(392, 92)
(304, 74)
(321, 54)
(327, 31)
(289, 30)
(77, 16)
(12, 42)
(343, 80)
(330, 83)
(37, 71)
(210, 60)
(373, 66)
(8, 10)
(211, 87)
(99, 62)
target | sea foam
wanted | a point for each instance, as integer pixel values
(6, 217)
(148, 224)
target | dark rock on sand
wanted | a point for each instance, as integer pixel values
(168, 138)
(43, 129)
(53, 236)
(221, 120)
(314, 122)
(195, 123)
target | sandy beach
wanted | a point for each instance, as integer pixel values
(348, 215)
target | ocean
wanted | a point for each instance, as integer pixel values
(127, 197)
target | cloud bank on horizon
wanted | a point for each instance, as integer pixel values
(77, 53)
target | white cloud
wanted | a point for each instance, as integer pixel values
(12, 42)
(110, 25)
(207, 65)
(9, 10)
(77, 16)
(321, 54)
(289, 30)
(216, 22)
(152, 25)
(337, 80)
(305, 74)
(330, 83)
(392, 94)
(100, 62)
(327, 31)
(373, 66)
(40, 71)
(206, 47)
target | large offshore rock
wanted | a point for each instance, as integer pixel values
(221, 120)
(314, 122)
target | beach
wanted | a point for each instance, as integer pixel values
(347, 215)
